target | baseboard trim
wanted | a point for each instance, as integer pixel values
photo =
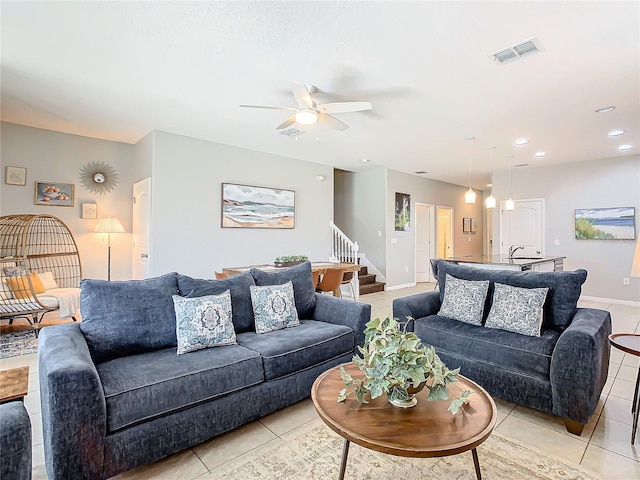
(398, 287)
(617, 301)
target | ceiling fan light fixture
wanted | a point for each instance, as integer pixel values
(306, 117)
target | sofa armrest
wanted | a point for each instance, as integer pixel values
(416, 306)
(580, 364)
(339, 311)
(15, 442)
(74, 414)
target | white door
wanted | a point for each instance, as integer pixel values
(523, 227)
(424, 243)
(140, 233)
(445, 232)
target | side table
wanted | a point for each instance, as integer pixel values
(14, 384)
(630, 343)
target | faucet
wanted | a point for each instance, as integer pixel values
(513, 249)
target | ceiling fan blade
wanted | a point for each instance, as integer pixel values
(332, 122)
(344, 107)
(288, 122)
(270, 107)
(302, 95)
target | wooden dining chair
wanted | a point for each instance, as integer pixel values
(315, 278)
(331, 281)
(221, 275)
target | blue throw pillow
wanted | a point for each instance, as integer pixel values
(303, 289)
(203, 322)
(126, 318)
(562, 298)
(238, 285)
(274, 307)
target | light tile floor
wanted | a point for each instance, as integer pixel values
(604, 445)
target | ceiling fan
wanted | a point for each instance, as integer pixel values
(308, 113)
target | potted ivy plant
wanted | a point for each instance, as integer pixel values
(396, 363)
(289, 260)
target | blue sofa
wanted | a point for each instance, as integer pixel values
(561, 372)
(15, 442)
(115, 395)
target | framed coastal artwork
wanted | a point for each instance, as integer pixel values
(248, 206)
(403, 212)
(616, 223)
(54, 194)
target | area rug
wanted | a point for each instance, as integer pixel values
(18, 343)
(314, 452)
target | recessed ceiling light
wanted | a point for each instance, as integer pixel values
(521, 141)
(540, 154)
(605, 109)
(320, 177)
(471, 137)
(616, 133)
(365, 160)
(489, 184)
(624, 148)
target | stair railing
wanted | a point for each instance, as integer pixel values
(343, 249)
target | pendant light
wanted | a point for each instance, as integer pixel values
(510, 204)
(491, 200)
(470, 195)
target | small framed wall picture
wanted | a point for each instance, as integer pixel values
(55, 194)
(15, 176)
(466, 225)
(89, 210)
(474, 225)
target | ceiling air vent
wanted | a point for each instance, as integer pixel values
(420, 172)
(519, 50)
(292, 132)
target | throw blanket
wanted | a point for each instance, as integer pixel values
(68, 300)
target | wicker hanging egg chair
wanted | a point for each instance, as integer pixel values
(40, 268)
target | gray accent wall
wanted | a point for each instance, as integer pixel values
(187, 237)
(611, 182)
(58, 157)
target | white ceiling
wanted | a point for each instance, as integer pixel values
(117, 70)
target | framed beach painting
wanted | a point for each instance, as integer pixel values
(247, 206)
(54, 194)
(617, 223)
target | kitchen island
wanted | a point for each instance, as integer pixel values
(503, 262)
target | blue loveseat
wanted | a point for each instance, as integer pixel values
(115, 395)
(561, 372)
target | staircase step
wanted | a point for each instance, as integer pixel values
(367, 279)
(371, 288)
(363, 271)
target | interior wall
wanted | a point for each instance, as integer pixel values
(611, 182)
(58, 157)
(187, 237)
(360, 211)
(400, 257)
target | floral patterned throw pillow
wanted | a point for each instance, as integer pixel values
(517, 310)
(274, 307)
(203, 322)
(464, 299)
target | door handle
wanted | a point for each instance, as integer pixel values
(144, 255)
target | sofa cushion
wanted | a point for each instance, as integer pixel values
(139, 388)
(502, 349)
(238, 285)
(203, 322)
(127, 318)
(464, 300)
(303, 289)
(294, 349)
(517, 310)
(274, 307)
(562, 298)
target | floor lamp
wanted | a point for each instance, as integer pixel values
(109, 225)
(635, 265)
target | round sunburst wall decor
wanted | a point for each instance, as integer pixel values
(98, 177)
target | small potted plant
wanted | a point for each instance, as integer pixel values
(395, 362)
(289, 260)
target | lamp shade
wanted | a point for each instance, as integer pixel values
(635, 266)
(490, 201)
(109, 225)
(470, 196)
(510, 204)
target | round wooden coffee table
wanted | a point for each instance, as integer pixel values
(426, 430)
(630, 343)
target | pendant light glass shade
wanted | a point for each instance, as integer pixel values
(490, 201)
(510, 204)
(470, 196)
